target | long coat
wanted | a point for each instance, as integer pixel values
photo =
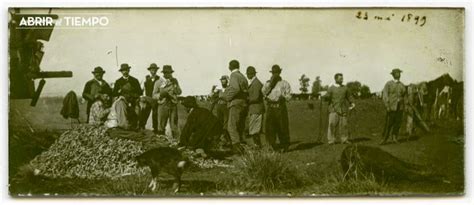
(255, 98)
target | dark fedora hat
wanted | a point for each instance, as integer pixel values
(251, 69)
(396, 70)
(124, 66)
(167, 69)
(275, 69)
(153, 66)
(189, 102)
(98, 69)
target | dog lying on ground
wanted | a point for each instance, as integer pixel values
(165, 159)
(364, 160)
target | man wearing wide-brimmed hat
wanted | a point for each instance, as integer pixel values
(256, 107)
(151, 104)
(126, 78)
(220, 103)
(134, 91)
(393, 96)
(236, 95)
(94, 87)
(277, 92)
(166, 93)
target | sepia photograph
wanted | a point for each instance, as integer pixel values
(236, 102)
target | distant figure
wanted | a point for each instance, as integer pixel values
(316, 88)
(256, 107)
(277, 92)
(93, 87)
(202, 129)
(151, 105)
(99, 110)
(166, 93)
(340, 103)
(393, 95)
(236, 96)
(220, 103)
(134, 91)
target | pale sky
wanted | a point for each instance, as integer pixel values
(199, 43)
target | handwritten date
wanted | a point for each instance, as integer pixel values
(408, 18)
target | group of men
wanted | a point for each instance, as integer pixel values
(133, 103)
(240, 99)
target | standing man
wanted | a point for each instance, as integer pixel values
(236, 95)
(133, 89)
(393, 95)
(166, 93)
(277, 92)
(256, 107)
(222, 111)
(151, 104)
(340, 103)
(94, 87)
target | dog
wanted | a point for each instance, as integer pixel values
(165, 159)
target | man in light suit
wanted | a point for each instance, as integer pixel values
(393, 96)
(236, 95)
(256, 107)
(166, 93)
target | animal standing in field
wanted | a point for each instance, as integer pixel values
(167, 159)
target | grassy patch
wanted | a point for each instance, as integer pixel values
(263, 171)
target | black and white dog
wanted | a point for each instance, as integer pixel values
(167, 159)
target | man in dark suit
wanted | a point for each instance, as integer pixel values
(151, 104)
(202, 129)
(256, 107)
(130, 83)
(236, 95)
(94, 87)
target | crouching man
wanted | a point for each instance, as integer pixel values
(202, 129)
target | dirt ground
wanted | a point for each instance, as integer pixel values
(32, 130)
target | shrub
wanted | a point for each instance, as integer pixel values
(261, 170)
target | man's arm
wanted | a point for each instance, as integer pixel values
(385, 93)
(87, 92)
(328, 96)
(350, 99)
(137, 88)
(117, 86)
(156, 89)
(177, 90)
(266, 89)
(286, 91)
(107, 89)
(144, 85)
